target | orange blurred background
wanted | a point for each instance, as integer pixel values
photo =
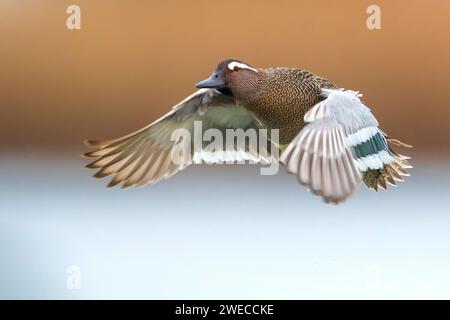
(215, 232)
(132, 60)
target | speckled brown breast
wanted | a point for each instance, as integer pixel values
(283, 98)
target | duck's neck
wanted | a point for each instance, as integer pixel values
(249, 89)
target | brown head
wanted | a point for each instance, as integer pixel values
(234, 77)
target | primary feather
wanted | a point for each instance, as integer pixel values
(145, 156)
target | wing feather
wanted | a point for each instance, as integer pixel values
(320, 155)
(145, 156)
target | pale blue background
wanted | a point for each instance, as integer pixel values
(218, 232)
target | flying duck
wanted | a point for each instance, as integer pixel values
(327, 137)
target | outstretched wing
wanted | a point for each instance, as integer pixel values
(339, 143)
(145, 156)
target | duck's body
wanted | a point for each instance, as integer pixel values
(283, 97)
(327, 137)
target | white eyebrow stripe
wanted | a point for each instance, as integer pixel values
(235, 64)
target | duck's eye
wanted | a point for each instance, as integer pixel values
(216, 76)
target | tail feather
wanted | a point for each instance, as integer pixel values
(390, 173)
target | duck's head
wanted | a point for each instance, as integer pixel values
(231, 76)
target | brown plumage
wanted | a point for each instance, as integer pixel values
(282, 98)
(327, 137)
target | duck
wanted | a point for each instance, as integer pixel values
(326, 136)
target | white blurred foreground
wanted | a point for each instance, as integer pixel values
(218, 232)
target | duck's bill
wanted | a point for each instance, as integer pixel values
(216, 81)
